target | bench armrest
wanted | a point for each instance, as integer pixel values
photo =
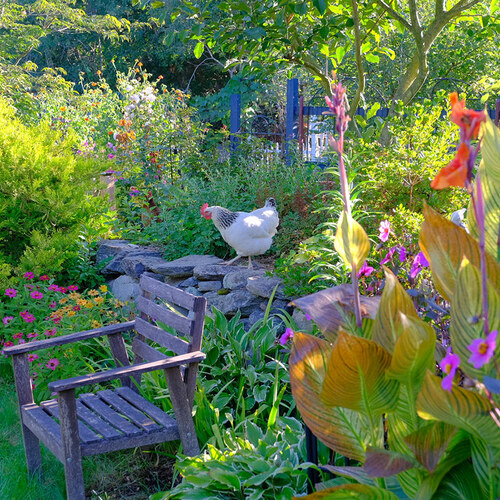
(115, 373)
(68, 339)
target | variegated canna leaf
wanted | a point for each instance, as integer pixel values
(385, 463)
(351, 241)
(352, 492)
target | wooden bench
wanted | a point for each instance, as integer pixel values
(115, 419)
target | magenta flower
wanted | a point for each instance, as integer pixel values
(11, 292)
(449, 365)
(482, 350)
(17, 335)
(111, 156)
(32, 335)
(28, 317)
(62, 289)
(419, 262)
(73, 288)
(56, 319)
(7, 319)
(134, 191)
(286, 336)
(52, 364)
(402, 254)
(51, 332)
(307, 317)
(384, 230)
(53, 287)
(44, 278)
(388, 257)
(32, 357)
(365, 270)
(52, 305)
(36, 295)
(29, 275)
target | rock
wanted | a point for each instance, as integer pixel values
(193, 291)
(303, 324)
(157, 277)
(230, 304)
(263, 287)
(111, 248)
(212, 272)
(255, 316)
(239, 279)
(125, 288)
(140, 255)
(134, 266)
(209, 286)
(183, 267)
(189, 282)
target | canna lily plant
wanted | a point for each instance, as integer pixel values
(423, 423)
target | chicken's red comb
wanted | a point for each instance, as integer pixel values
(202, 211)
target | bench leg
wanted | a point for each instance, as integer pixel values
(32, 451)
(183, 411)
(73, 471)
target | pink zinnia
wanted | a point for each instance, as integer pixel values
(36, 295)
(32, 357)
(32, 335)
(29, 275)
(44, 278)
(53, 287)
(51, 332)
(56, 319)
(482, 350)
(73, 288)
(17, 335)
(7, 319)
(28, 317)
(286, 336)
(62, 289)
(449, 365)
(384, 230)
(52, 364)
(11, 292)
(52, 305)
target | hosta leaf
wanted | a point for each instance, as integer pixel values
(356, 379)
(351, 241)
(460, 407)
(445, 245)
(352, 491)
(394, 301)
(385, 463)
(466, 311)
(429, 443)
(489, 172)
(338, 428)
(413, 354)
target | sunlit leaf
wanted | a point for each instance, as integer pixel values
(338, 428)
(394, 301)
(445, 245)
(353, 491)
(385, 463)
(356, 377)
(198, 49)
(351, 241)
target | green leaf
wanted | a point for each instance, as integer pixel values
(460, 407)
(460, 483)
(445, 245)
(429, 443)
(157, 4)
(395, 301)
(373, 111)
(413, 353)
(199, 49)
(385, 463)
(340, 52)
(340, 429)
(227, 478)
(356, 377)
(372, 58)
(352, 491)
(466, 311)
(260, 393)
(485, 468)
(320, 5)
(351, 241)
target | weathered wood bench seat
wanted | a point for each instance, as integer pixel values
(120, 418)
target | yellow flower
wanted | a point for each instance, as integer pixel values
(89, 304)
(93, 293)
(96, 324)
(81, 302)
(71, 314)
(74, 296)
(63, 108)
(99, 300)
(63, 300)
(103, 288)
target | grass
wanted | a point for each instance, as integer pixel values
(131, 474)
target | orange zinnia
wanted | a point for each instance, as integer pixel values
(464, 117)
(455, 173)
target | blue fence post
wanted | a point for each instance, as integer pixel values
(292, 114)
(235, 121)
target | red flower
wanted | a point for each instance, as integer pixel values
(466, 118)
(455, 173)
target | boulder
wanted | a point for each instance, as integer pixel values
(125, 288)
(209, 286)
(116, 265)
(264, 286)
(183, 267)
(111, 248)
(239, 279)
(212, 272)
(135, 265)
(189, 282)
(230, 304)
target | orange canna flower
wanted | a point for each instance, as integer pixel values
(455, 173)
(464, 117)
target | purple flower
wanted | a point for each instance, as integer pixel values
(28, 317)
(52, 305)
(482, 350)
(286, 336)
(307, 317)
(53, 287)
(388, 257)
(29, 275)
(32, 357)
(73, 288)
(402, 254)
(111, 156)
(36, 295)
(419, 262)
(7, 319)
(134, 191)
(11, 292)
(44, 278)
(384, 230)
(365, 270)
(449, 365)
(52, 364)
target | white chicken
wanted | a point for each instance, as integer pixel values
(248, 233)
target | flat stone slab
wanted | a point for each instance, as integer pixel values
(110, 248)
(183, 267)
(134, 266)
(239, 279)
(116, 265)
(263, 287)
(209, 286)
(230, 304)
(212, 272)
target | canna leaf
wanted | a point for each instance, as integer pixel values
(351, 241)
(460, 483)
(352, 491)
(466, 311)
(385, 463)
(462, 408)
(340, 429)
(413, 353)
(445, 245)
(483, 462)
(489, 172)
(429, 443)
(355, 377)
(387, 322)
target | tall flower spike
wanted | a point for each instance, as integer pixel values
(468, 120)
(456, 172)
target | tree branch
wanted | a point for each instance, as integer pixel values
(395, 15)
(461, 6)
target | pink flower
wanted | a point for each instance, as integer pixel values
(52, 305)
(32, 357)
(36, 295)
(7, 319)
(111, 155)
(73, 288)
(365, 270)
(32, 335)
(449, 365)
(402, 254)
(29, 275)
(419, 262)
(11, 292)
(286, 336)
(388, 256)
(307, 317)
(44, 278)
(53, 287)
(30, 287)
(17, 335)
(51, 332)
(56, 319)
(384, 230)
(28, 317)
(62, 289)
(76, 308)
(52, 364)
(482, 350)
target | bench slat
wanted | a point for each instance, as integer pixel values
(167, 292)
(146, 352)
(161, 313)
(161, 337)
(96, 422)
